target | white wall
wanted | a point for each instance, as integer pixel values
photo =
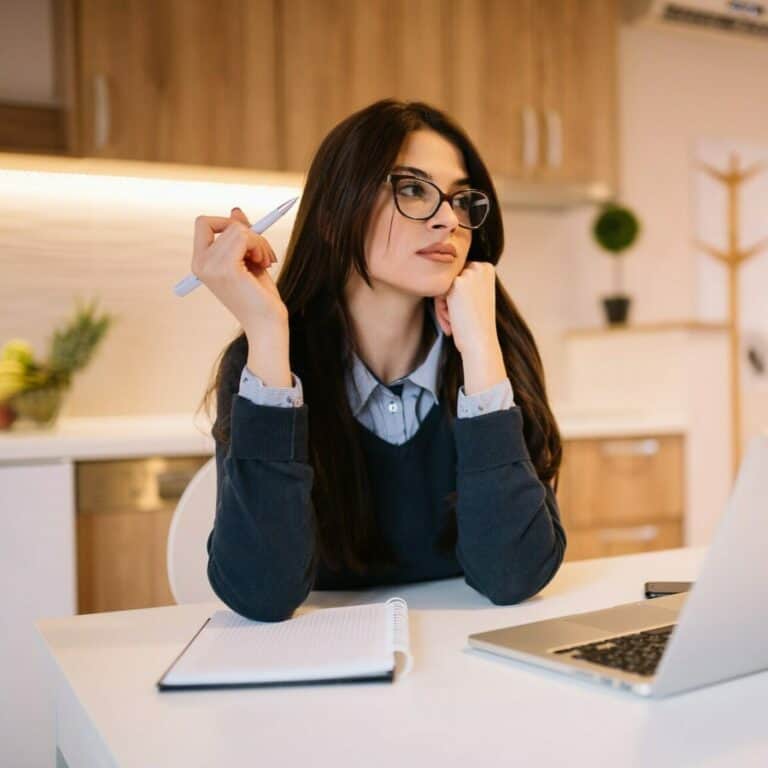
(675, 87)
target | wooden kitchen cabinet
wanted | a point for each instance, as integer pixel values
(575, 73)
(490, 80)
(185, 81)
(124, 512)
(259, 84)
(618, 496)
(337, 56)
(535, 84)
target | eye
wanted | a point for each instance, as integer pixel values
(412, 189)
(463, 201)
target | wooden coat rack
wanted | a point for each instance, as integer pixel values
(733, 258)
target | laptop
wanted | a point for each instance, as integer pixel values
(663, 646)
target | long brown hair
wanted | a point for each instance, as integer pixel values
(326, 244)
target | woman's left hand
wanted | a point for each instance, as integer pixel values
(468, 313)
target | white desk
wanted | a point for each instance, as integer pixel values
(457, 707)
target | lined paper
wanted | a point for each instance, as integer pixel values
(327, 643)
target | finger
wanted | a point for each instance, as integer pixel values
(237, 213)
(265, 256)
(237, 247)
(206, 227)
(261, 257)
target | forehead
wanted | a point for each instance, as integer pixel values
(434, 154)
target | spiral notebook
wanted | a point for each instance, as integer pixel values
(358, 643)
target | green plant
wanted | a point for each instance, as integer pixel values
(615, 229)
(71, 348)
(73, 345)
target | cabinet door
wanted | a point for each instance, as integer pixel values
(178, 81)
(621, 495)
(37, 558)
(125, 508)
(489, 85)
(115, 560)
(338, 56)
(574, 73)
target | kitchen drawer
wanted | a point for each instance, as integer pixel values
(124, 512)
(587, 543)
(621, 482)
(146, 485)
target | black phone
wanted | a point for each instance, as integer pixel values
(662, 588)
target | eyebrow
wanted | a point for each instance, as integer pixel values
(425, 175)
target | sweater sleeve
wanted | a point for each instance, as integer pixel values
(510, 538)
(260, 552)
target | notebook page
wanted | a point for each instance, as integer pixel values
(326, 643)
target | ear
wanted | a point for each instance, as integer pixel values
(442, 315)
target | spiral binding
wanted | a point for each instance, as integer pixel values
(400, 637)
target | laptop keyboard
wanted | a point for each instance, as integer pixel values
(639, 653)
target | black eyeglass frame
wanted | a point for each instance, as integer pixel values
(393, 178)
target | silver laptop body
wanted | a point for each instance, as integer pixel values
(721, 625)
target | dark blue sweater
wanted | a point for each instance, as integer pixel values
(510, 540)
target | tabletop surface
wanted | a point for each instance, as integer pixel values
(457, 707)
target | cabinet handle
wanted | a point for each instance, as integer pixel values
(554, 139)
(101, 116)
(640, 533)
(530, 138)
(648, 447)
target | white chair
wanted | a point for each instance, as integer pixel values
(192, 522)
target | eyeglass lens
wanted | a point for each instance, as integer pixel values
(420, 200)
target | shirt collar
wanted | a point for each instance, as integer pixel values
(361, 383)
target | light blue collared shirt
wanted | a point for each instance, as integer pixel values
(391, 416)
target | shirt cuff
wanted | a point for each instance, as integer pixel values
(253, 388)
(497, 398)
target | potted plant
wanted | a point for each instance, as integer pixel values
(34, 390)
(615, 229)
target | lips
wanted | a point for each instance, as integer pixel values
(438, 252)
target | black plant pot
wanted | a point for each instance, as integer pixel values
(616, 309)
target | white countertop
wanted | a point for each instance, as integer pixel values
(105, 438)
(184, 435)
(591, 422)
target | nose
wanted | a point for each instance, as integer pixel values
(444, 216)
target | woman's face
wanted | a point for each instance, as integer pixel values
(393, 240)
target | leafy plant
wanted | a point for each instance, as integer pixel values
(615, 229)
(71, 348)
(74, 344)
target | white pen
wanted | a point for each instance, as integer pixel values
(190, 282)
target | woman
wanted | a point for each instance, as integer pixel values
(383, 417)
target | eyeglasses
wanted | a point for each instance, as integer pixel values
(419, 199)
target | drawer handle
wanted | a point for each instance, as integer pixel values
(640, 533)
(101, 113)
(554, 139)
(530, 138)
(649, 447)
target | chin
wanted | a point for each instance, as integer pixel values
(427, 289)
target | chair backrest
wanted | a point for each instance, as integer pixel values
(192, 522)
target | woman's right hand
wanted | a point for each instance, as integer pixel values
(232, 261)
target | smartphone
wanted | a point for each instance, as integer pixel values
(662, 588)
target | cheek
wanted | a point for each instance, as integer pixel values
(390, 246)
(381, 237)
